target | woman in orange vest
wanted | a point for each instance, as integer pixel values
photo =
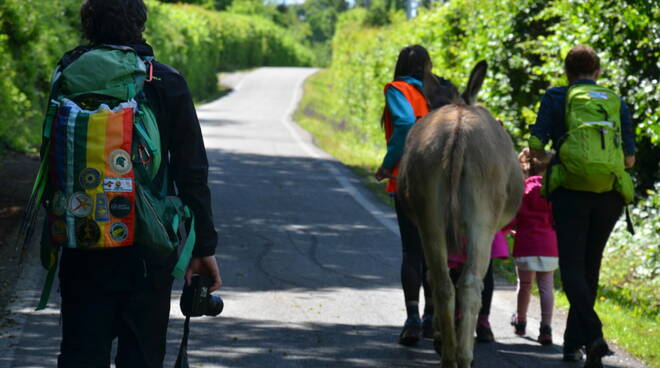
(404, 105)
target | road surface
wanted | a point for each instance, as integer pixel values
(310, 260)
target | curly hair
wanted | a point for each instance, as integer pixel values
(113, 21)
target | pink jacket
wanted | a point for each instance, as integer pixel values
(499, 249)
(535, 235)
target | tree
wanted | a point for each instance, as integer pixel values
(321, 15)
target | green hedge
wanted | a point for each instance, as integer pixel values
(524, 42)
(198, 42)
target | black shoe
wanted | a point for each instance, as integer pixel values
(484, 333)
(411, 332)
(519, 326)
(572, 354)
(545, 335)
(427, 326)
(597, 350)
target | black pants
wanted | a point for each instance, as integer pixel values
(103, 306)
(583, 222)
(413, 266)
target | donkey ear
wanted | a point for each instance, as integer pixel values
(477, 77)
(431, 87)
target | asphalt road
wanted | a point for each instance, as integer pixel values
(310, 259)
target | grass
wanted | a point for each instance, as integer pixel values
(623, 324)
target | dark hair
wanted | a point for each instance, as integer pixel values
(113, 21)
(581, 60)
(411, 62)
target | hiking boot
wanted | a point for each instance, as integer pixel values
(427, 326)
(411, 332)
(484, 333)
(595, 352)
(545, 335)
(519, 326)
(572, 354)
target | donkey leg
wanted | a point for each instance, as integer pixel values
(469, 290)
(435, 250)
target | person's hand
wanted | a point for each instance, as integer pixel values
(629, 161)
(383, 173)
(205, 266)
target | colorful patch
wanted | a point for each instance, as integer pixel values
(87, 233)
(101, 208)
(120, 206)
(119, 232)
(120, 162)
(90, 178)
(118, 185)
(58, 204)
(598, 95)
(80, 204)
(58, 231)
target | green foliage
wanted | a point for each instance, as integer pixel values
(196, 41)
(30, 44)
(631, 264)
(524, 42)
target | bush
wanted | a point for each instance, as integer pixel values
(196, 41)
(524, 42)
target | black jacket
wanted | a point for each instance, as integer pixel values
(181, 139)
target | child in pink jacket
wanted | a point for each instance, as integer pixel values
(535, 251)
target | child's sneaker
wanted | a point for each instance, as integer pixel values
(519, 326)
(545, 335)
(484, 332)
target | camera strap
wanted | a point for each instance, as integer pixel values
(182, 358)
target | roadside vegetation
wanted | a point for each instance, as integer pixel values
(524, 42)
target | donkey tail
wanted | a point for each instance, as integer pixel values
(454, 152)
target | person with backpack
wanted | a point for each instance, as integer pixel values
(405, 103)
(591, 131)
(125, 173)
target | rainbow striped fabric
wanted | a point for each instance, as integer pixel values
(91, 176)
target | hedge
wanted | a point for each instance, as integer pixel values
(524, 42)
(197, 42)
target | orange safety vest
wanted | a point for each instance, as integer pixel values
(420, 107)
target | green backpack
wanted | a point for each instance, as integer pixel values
(591, 155)
(101, 179)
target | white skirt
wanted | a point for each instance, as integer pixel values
(537, 263)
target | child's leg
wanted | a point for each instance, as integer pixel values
(525, 279)
(545, 282)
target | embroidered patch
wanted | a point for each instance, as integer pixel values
(90, 178)
(80, 204)
(120, 206)
(58, 204)
(598, 95)
(101, 208)
(119, 231)
(58, 231)
(118, 185)
(120, 162)
(87, 233)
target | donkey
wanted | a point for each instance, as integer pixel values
(459, 179)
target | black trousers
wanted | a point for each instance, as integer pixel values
(413, 266)
(583, 222)
(99, 305)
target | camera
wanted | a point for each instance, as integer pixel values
(197, 301)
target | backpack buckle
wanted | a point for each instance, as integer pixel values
(151, 70)
(143, 155)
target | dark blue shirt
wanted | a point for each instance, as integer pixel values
(551, 123)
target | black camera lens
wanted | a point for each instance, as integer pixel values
(214, 305)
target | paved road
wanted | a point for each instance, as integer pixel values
(309, 259)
